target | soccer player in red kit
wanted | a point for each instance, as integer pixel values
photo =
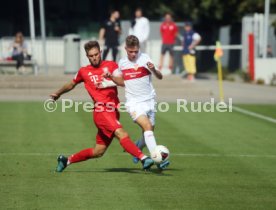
(106, 116)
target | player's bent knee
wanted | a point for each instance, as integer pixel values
(146, 126)
(99, 151)
(120, 133)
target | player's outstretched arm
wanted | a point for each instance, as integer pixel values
(65, 88)
(118, 80)
(152, 68)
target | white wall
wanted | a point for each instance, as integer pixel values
(265, 68)
(55, 51)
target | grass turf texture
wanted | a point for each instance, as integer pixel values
(207, 168)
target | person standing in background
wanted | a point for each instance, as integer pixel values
(140, 28)
(109, 33)
(168, 31)
(190, 40)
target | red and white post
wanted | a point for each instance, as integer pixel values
(251, 56)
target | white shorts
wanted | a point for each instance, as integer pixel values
(147, 108)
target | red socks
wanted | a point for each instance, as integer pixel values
(81, 156)
(126, 143)
(131, 148)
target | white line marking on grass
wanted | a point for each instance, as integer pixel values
(27, 154)
(225, 155)
(253, 114)
(173, 154)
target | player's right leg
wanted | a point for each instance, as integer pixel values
(132, 149)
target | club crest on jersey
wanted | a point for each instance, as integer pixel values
(136, 66)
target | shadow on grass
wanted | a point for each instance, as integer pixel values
(154, 171)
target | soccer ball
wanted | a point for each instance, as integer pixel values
(160, 154)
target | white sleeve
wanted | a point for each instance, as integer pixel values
(196, 37)
(117, 73)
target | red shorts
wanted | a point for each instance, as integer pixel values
(107, 123)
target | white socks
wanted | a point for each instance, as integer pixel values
(150, 140)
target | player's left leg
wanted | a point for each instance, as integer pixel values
(147, 122)
(171, 59)
(80, 156)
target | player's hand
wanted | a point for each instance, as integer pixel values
(117, 28)
(106, 75)
(151, 66)
(101, 43)
(99, 85)
(191, 47)
(54, 96)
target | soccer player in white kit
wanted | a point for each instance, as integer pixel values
(135, 73)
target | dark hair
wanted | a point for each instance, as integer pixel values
(113, 11)
(139, 9)
(132, 41)
(91, 44)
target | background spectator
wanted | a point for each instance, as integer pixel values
(168, 31)
(190, 40)
(19, 51)
(140, 28)
(110, 32)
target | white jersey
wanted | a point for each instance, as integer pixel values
(137, 78)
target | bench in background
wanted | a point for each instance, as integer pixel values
(10, 66)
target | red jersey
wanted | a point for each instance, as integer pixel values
(168, 32)
(91, 76)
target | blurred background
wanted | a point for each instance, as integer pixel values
(227, 21)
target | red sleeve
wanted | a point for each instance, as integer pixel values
(112, 67)
(78, 77)
(161, 29)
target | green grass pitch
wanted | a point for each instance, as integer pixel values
(218, 161)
